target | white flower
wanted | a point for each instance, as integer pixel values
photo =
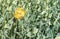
(35, 30)
(14, 2)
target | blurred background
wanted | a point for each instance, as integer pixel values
(41, 21)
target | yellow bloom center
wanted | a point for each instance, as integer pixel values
(19, 13)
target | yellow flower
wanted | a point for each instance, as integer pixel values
(19, 13)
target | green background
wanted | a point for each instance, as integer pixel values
(42, 19)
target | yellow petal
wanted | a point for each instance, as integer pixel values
(19, 13)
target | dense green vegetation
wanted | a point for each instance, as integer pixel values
(42, 19)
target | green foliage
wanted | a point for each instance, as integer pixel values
(42, 19)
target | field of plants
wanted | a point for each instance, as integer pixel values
(29, 19)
